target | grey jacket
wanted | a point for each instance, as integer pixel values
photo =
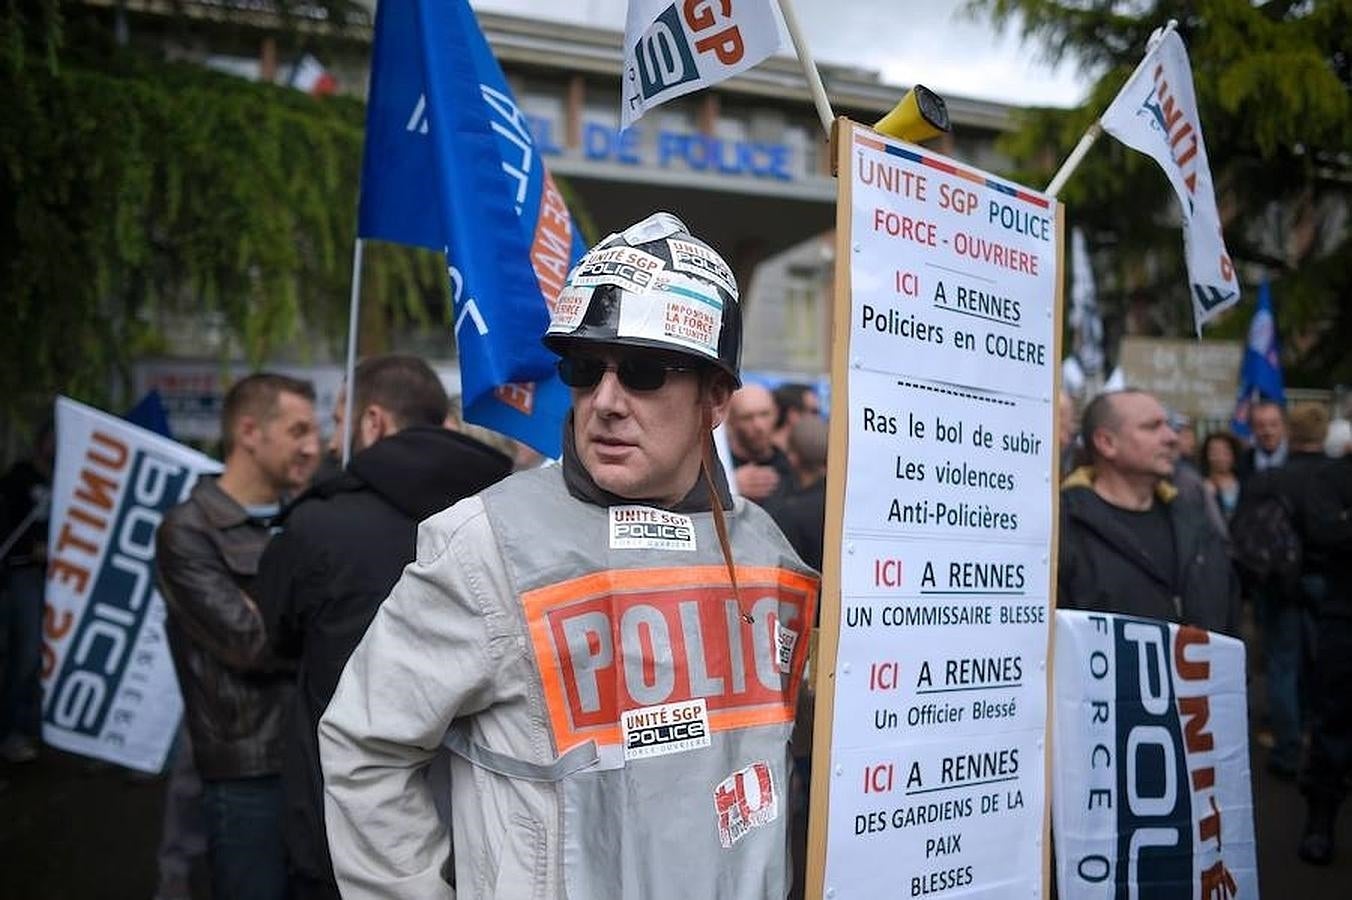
(618, 729)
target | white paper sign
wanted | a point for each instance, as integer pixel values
(938, 732)
(108, 683)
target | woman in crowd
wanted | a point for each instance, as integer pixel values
(1220, 451)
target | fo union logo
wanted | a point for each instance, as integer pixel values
(664, 55)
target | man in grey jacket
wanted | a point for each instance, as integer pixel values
(610, 648)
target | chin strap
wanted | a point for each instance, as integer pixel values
(716, 507)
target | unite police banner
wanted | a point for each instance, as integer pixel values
(108, 684)
(1151, 796)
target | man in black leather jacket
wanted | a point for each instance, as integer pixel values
(234, 694)
(342, 546)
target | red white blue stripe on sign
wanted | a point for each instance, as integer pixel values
(949, 168)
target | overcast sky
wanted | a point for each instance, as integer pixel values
(931, 41)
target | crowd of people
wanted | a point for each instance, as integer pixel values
(1155, 524)
(379, 661)
(359, 686)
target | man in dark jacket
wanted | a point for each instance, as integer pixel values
(801, 514)
(1329, 762)
(1284, 599)
(343, 545)
(25, 501)
(761, 469)
(1130, 543)
(1267, 421)
(234, 694)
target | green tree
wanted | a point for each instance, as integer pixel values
(136, 190)
(1272, 82)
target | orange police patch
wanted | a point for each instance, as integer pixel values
(626, 639)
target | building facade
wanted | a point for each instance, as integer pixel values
(745, 165)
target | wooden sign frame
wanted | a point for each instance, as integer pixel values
(827, 646)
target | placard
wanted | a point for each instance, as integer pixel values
(929, 758)
(108, 684)
(1196, 378)
(1153, 796)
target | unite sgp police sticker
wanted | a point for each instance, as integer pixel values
(669, 728)
(744, 800)
(634, 527)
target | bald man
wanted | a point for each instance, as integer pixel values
(801, 514)
(761, 469)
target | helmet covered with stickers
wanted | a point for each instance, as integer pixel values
(653, 285)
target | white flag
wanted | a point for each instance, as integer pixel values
(673, 47)
(1085, 322)
(1156, 113)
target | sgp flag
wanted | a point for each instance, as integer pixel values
(1150, 793)
(450, 164)
(1156, 113)
(108, 684)
(673, 47)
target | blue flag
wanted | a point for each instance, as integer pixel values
(451, 165)
(150, 414)
(1260, 373)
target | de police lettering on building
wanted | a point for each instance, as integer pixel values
(672, 149)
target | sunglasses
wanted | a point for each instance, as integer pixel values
(634, 374)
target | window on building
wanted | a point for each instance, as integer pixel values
(803, 292)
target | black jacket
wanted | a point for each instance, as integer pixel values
(777, 460)
(343, 545)
(1103, 567)
(1329, 520)
(802, 517)
(234, 694)
(1302, 481)
(23, 489)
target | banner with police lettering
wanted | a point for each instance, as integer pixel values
(1156, 113)
(672, 48)
(1151, 793)
(450, 164)
(108, 684)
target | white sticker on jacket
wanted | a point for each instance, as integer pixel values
(785, 640)
(687, 256)
(669, 728)
(648, 528)
(744, 800)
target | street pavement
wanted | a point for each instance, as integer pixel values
(71, 828)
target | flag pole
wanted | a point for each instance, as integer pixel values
(1073, 160)
(353, 314)
(814, 78)
(1091, 134)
